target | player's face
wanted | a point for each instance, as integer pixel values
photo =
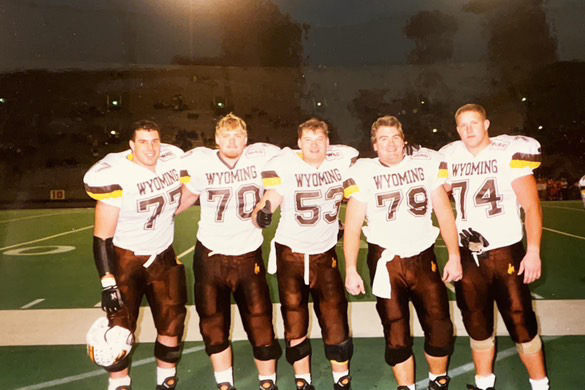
(473, 130)
(389, 145)
(231, 143)
(146, 148)
(313, 145)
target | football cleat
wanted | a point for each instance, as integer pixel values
(303, 384)
(402, 388)
(441, 382)
(344, 383)
(225, 386)
(472, 387)
(124, 387)
(268, 385)
(108, 345)
(169, 384)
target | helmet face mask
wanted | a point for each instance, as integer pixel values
(108, 345)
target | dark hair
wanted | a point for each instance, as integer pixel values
(144, 125)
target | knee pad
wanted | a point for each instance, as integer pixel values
(532, 346)
(441, 351)
(298, 352)
(212, 349)
(167, 354)
(270, 352)
(119, 366)
(483, 345)
(340, 352)
(397, 356)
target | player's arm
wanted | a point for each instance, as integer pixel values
(262, 214)
(188, 199)
(527, 194)
(355, 214)
(106, 219)
(442, 208)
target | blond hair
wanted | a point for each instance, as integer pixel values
(230, 122)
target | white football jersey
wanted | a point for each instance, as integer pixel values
(311, 197)
(147, 200)
(482, 186)
(398, 198)
(228, 195)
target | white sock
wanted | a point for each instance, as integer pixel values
(271, 377)
(338, 375)
(539, 384)
(432, 376)
(306, 377)
(164, 373)
(483, 382)
(226, 376)
(113, 383)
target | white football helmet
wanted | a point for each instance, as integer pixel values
(108, 345)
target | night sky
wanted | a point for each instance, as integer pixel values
(110, 33)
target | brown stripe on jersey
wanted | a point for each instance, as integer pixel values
(443, 165)
(526, 157)
(104, 192)
(269, 175)
(348, 183)
(184, 173)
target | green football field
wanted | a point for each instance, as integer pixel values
(49, 292)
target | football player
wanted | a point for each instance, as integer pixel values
(228, 254)
(137, 193)
(582, 189)
(491, 178)
(396, 194)
(308, 187)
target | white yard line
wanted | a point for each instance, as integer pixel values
(185, 253)
(47, 238)
(91, 374)
(563, 233)
(37, 216)
(31, 304)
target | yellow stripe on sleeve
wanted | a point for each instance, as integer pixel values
(443, 173)
(349, 191)
(108, 195)
(519, 164)
(272, 181)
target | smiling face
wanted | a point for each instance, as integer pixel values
(231, 142)
(473, 127)
(145, 147)
(313, 144)
(389, 144)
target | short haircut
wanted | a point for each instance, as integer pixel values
(230, 122)
(385, 121)
(314, 125)
(144, 125)
(471, 107)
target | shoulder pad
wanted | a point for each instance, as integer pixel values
(170, 152)
(335, 152)
(426, 154)
(261, 149)
(449, 148)
(525, 151)
(104, 179)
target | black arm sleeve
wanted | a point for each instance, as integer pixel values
(104, 255)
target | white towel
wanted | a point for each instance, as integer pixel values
(149, 261)
(307, 260)
(381, 286)
(272, 258)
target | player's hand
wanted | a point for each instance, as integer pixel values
(473, 240)
(111, 299)
(354, 283)
(453, 272)
(530, 266)
(340, 231)
(264, 216)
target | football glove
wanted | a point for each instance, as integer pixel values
(473, 240)
(264, 216)
(111, 298)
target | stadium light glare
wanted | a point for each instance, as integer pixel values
(2, 100)
(524, 99)
(539, 127)
(435, 130)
